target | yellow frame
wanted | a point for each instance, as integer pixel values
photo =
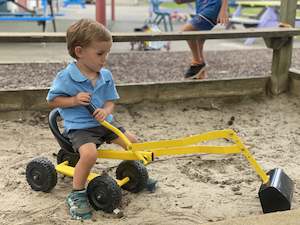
(146, 151)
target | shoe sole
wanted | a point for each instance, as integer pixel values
(201, 75)
(197, 74)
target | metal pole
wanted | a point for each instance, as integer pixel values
(113, 16)
(100, 12)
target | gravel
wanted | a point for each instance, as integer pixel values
(151, 66)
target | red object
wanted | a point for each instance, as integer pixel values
(113, 18)
(23, 3)
(100, 12)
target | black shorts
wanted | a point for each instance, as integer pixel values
(97, 135)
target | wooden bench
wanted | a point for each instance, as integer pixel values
(266, 33)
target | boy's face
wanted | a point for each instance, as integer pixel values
(94, 56)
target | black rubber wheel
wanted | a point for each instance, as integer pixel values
(71, 157)
(104, 193)
(41, 174)
(137, 173)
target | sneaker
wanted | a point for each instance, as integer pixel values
(194, 70)
(78, 205)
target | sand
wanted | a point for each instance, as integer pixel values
(192, 189)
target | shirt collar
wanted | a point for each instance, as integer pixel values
(75, 73)
(77, 76)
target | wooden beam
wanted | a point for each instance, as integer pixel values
(163, 36)
(294, 85)
(35, 99)
(281, 61)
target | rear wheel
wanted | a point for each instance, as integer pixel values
(137, 173)
(71, 157)
(41, 174)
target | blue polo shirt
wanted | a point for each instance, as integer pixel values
(69, 82)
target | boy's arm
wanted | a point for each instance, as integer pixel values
(183, 1)
(82, 98)
(223, 14)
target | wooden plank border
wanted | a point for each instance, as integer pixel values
(294, 84)
(35, 99)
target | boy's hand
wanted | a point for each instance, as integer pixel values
(223, 17)
(100, 114)
(82, 98)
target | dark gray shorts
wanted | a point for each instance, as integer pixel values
(97, 135)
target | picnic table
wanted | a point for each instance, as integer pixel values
(29, 14)
(267, 17)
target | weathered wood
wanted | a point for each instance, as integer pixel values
(174, 36)
(294, 85)
(35, 99)
(277, 43)
(294, 73)
(282, 57)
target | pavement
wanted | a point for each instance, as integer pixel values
(128, 17)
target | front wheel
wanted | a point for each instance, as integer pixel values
(104, 193)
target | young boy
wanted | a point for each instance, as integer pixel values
(81, 82)
(208, 14)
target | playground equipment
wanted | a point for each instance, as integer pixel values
(104, 192)
(150, 45)
(38, 14)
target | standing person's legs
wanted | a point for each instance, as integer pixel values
(196, 46)
(197, 66)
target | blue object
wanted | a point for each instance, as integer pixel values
(69, 82)
(74, 2)
(161, 15)
(25, 18)
(30, 15)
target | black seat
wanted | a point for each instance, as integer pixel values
(63, 141)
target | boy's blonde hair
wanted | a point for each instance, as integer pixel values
(83, 32)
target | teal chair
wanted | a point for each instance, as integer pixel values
(161, 15)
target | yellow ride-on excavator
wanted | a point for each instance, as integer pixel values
(104, 192)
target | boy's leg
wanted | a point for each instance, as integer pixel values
(132, 138)
(77, 200)
(88, 157)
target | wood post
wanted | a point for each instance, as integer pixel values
(282, 56)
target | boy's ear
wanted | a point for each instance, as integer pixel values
(78, 51)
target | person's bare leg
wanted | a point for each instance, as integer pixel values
(200, 44)
(88, 157)
(203, 73)
(132, 138)
(193, 45)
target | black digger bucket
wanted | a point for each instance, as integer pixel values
(277, 193)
